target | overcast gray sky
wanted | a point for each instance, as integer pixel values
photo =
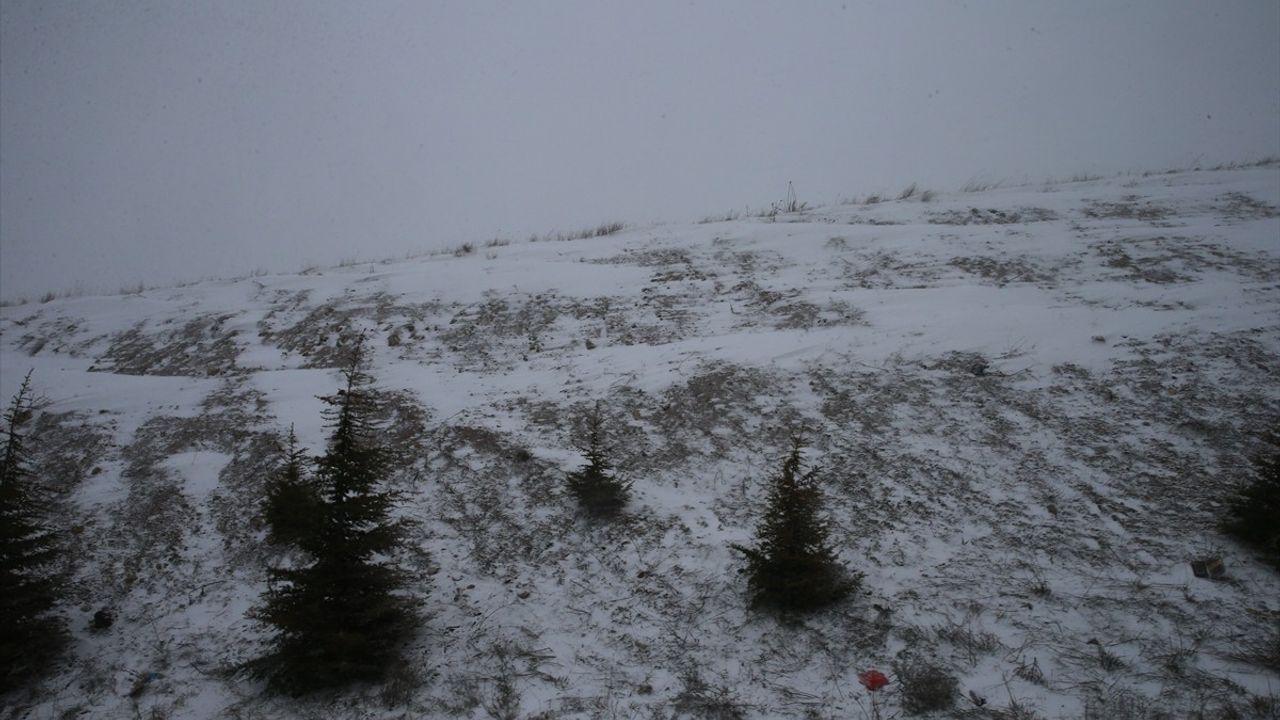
(165, 141)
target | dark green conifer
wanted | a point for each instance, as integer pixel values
(792, 567)
(600, 493)
(293, 507)
(31, 633)
(1253, 514)
(341, 617)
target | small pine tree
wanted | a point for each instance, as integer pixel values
(31, 634)
(1253, 515)
(341, 617)
(596, 486)
(792, 567)
(293, 507)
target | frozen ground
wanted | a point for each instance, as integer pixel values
(1029, 404)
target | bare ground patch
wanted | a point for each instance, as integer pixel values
(789, 310)
(888, 269)
(1238, 206)
(1176, 259)
(1130, 207)
(200, 347)
(991, 216)
(1002, 271)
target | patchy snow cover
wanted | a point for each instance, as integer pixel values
(1028, 404)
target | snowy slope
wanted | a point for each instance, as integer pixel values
(1028, 402)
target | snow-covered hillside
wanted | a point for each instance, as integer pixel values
(1029, 405)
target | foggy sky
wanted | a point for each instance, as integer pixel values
(169, 141)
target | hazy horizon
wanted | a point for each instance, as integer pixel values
(159, 143)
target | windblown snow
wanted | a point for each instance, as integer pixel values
(1029, 405)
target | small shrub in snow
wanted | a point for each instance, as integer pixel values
(700, 700)
(1031, 672)
(1253, 515)
(600, 493)
(608, 228)
(1260, 649)
(962, 636)
(789, 205)
(923, 686)
(792, 567)
(1108, 660)
(103, 619)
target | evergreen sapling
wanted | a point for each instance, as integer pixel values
(340, 616)
(599, 491)
(1253, 514)
(293, 509)
(31, 633)
(792, 566)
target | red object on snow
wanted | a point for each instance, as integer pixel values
(872, 680)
